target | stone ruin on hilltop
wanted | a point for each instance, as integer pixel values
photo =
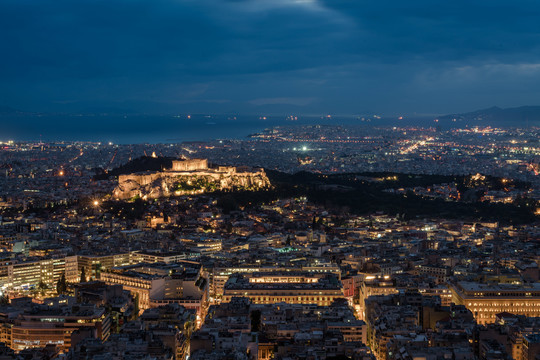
(189, 177)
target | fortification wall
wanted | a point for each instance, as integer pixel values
(140, 179)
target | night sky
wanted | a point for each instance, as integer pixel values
(269, 56)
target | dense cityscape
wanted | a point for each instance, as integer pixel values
(298, 242)
(269, 180)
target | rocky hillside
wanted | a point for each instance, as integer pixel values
(153, 185)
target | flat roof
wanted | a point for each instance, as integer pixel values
(473, 286)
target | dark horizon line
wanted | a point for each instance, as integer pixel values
(6, 110)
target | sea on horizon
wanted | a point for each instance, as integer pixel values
(133, 129)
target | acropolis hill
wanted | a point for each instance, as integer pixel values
(187, 177)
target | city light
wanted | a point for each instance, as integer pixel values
(269, 180)
(370, 228)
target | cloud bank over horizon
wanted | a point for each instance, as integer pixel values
(269, 56)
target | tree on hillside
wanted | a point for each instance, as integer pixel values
(61, 285)
(83, 275)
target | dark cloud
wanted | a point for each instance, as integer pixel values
(340, 56)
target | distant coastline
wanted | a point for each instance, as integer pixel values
(126, 129)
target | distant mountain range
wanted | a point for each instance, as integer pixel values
(518, 116)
